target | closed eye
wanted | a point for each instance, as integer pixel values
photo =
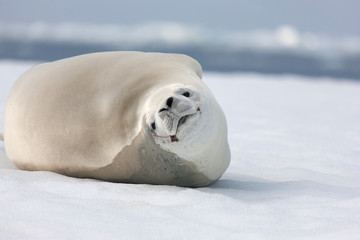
(163, 109)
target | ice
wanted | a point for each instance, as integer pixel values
(176, 33)
(294, 174)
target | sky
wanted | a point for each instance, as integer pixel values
(327, 17)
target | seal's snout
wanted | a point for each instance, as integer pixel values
(179, 106)
(174, 113)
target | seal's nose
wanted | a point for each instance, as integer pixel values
(169, 101)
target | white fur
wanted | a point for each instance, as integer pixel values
(79, 113)
(203, 138)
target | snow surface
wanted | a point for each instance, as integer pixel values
(295, 174)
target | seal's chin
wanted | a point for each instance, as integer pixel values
(181, 124)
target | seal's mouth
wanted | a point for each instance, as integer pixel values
(173, 138)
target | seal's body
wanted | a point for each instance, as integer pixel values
(118, 116)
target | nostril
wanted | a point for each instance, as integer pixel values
(169, 101)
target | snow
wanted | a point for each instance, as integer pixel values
(295, 174)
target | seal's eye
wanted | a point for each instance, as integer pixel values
(153, 125)
(163, 109)
(186, 94)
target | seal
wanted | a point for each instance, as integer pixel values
(129, 117)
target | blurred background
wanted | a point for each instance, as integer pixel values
(313, 38)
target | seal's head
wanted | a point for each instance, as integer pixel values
(185, 119)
